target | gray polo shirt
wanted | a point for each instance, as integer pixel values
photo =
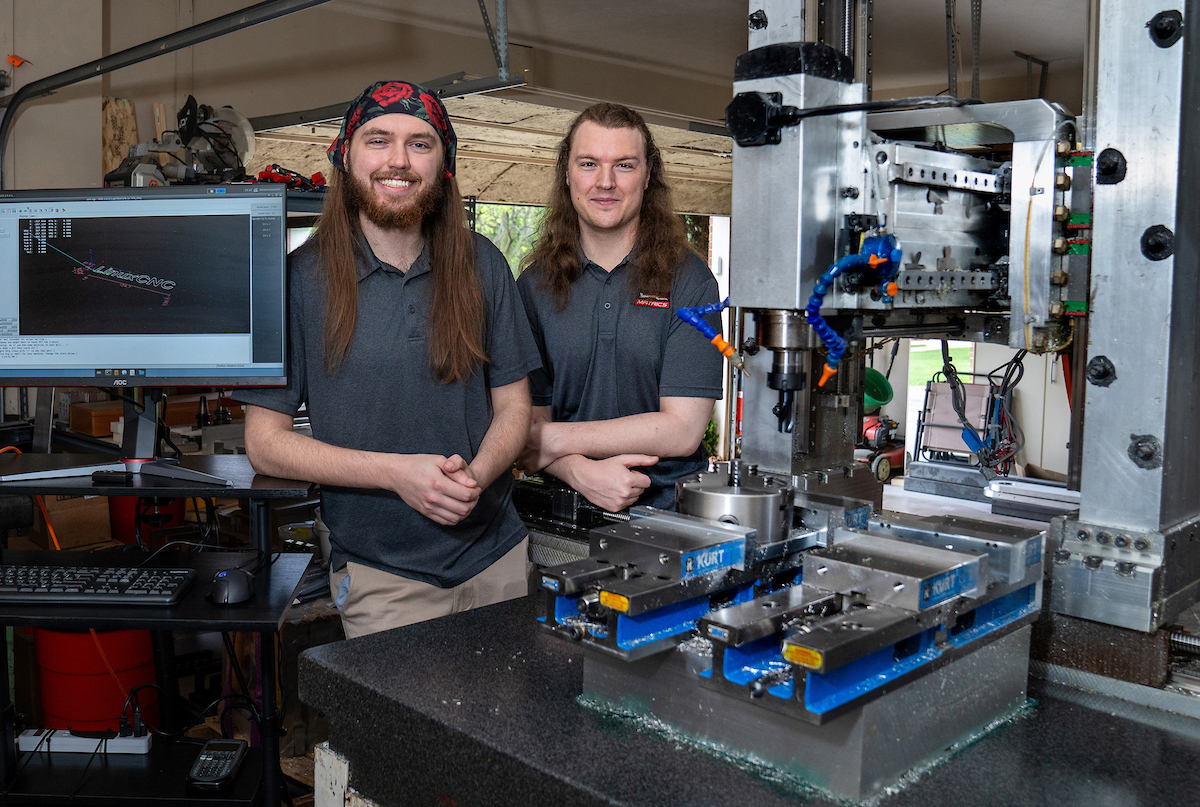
(385, 398)
(614, 351)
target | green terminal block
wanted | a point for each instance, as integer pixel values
(1079, 249)
(1079, 160)
(1079, 219)
(1075, 307)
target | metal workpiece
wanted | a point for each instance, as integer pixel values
(731, 495)
(815, 510)
(944, 479)
(1014, 553)
(768, 615)
(894, 571)
(644, 593)
(575, 577)
(673, 546)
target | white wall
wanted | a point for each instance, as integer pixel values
(1039, 404)
(53, 142)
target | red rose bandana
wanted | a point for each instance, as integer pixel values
(387, 97)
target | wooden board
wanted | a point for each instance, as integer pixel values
(94, 419)
(120, 132)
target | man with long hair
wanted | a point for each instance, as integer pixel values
(411, 350)
(624, 383)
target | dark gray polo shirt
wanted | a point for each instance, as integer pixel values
(385, 398)
(613, 352)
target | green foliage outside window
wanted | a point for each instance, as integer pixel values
(512, 228)
(697, 228)
(709, 441)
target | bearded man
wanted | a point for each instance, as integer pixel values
(410, 348)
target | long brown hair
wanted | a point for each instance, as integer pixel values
(661, 243)
(456, 318)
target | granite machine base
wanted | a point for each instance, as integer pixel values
(482, 708)
(855, 755)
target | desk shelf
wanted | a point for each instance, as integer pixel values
(117, 780)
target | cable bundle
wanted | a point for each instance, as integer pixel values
(1001, 438)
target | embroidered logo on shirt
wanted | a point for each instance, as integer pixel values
(653, 301)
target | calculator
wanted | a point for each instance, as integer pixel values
(217, 764)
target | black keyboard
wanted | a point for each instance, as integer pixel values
(93, 585)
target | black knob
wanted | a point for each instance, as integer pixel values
(1158, 243)
(1101, 372)
(1110, 167)
(1166, 28)
(756, 118)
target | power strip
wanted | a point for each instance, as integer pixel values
(63, 741)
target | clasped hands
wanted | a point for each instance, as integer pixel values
(443, 489)
(609, 483)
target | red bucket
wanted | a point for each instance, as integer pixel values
(78, 692)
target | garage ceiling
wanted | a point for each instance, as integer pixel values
(701, 38)
(507, 146)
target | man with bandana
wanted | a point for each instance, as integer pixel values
(410, 348)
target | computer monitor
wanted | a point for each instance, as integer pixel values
(143, 287)
(120, 288)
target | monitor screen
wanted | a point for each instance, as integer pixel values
(131, 287)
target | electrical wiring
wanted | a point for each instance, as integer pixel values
(199, 545)
(892, 361)
(222, 146)
(890, 105)
(1001, 438)
(16, 777)
(249, 704)
(209, 529)
(1005, 435)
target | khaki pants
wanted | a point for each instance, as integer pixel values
(379, 600)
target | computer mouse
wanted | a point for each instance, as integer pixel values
(231, 586)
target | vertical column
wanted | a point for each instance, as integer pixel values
(1134, 272)
(1132, 558)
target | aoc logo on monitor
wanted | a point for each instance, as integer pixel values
(120, 382)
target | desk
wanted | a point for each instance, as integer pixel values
(264, 613)
(481, 708)
(233, 467)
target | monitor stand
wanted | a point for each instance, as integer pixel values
(138, 452)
